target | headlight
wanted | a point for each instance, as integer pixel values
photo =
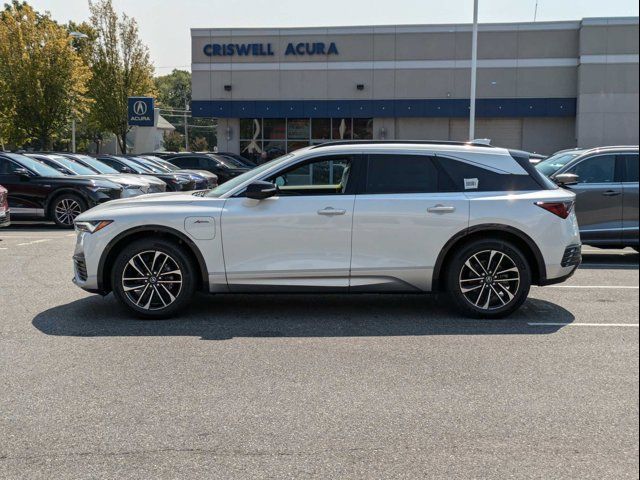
(92, 226)
(100, 189)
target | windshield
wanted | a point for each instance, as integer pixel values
(97, 165)
(228, 162)
(555, 162)
(234, 182)
(75, 167)
(162, 163)
(150, 165)
(35, 165)
(135, 166)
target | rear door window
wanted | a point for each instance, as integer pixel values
(388, 173)
(630, 163)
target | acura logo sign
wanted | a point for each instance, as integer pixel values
(140, 108)
(140, 111)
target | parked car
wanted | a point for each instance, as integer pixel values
(480, 223)
(605, 181)
(5, 215)
(155, 185)
(37, 191)
(201, 182)
(224, 168)
(175, 182)
(132, 187)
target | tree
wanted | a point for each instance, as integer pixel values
(121, 68)
(199, 144)
(173, 141)
(174, 89)
(43, 80)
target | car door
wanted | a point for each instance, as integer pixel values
(299, 239)
(401, 222)
(629, 167)
(26, 194)
(598, 199)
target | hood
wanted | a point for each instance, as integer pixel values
(162, 200)
(133, 179)
(202, 173)
(81, 180)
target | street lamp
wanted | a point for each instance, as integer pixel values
(77, 36)
(474, 69)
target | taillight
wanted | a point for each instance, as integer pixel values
(561, 209)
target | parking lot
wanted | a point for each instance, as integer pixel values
(305, 386)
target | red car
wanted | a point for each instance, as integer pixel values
(4, 208)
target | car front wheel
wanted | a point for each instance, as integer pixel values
(153, 278)
(488, 279)
(66, 208)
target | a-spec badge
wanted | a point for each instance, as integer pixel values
(201, 228)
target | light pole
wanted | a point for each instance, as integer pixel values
(76, 35)
(474, 68)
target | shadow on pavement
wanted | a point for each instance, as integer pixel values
(224, 317)
(625, 260)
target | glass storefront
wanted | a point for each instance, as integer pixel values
(277, 136)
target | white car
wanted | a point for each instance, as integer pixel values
(478, 222)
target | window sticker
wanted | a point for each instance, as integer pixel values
(470, 183)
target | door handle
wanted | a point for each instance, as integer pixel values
(611, 193)
(330, 211)
(441, 209)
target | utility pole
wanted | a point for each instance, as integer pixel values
(474, 68)
(77, 36)
(186, 128)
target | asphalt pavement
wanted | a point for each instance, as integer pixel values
(310, 386)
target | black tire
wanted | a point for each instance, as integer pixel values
(159, 288)
(502, 295)
(65, 208)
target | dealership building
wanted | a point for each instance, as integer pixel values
(541, 86)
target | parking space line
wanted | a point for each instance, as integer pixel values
(623, 287)
(574, 324)
(34, 241)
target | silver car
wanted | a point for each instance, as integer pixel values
(605, 181)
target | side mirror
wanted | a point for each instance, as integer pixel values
(260, 190)
(23, 173)
(566, 179)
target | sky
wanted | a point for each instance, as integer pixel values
(164, 24)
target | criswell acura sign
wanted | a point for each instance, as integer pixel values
(267, 49)
(141, 113)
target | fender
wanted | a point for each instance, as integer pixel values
(77, 192)
(460, 236)
(204, 274)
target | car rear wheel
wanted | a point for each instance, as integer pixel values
(66, 208)
(153, 278)
(488, 279)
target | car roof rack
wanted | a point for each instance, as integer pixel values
(403, 142)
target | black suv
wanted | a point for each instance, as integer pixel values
(37, 191)
(225, 168)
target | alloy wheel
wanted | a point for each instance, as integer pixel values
(67, 210)
(489, 279)
(152, 280)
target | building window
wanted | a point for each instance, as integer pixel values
(273, 137)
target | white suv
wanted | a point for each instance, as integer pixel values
(477, 222)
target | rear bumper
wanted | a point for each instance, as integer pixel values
(5, 218)
(569, 264)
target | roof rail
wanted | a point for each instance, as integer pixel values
(404, 142)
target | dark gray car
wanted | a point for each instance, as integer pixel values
(606, 189)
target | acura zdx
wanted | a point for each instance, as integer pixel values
(477, 222)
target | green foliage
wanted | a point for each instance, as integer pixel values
(199, 144)
(174, 89)
(43, 80)
(121, 68)
(173, 141)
